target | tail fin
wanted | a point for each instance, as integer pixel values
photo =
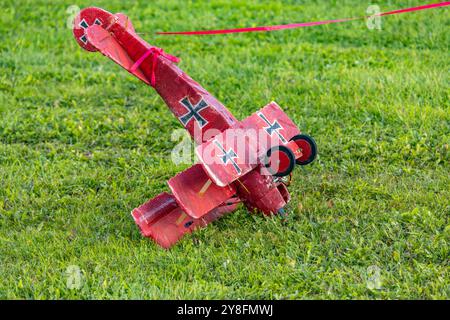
(90, 29)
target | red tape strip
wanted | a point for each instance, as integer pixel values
(156, 52)
(300, 25)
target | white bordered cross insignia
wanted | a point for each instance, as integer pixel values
(272, 127)
(228, 156)
(84, 25)
(193, 112)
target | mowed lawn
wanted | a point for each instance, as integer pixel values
(82, 143)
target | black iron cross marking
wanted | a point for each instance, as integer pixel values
(272, 127)
(228, 156)
(193, 112)
(84, 25)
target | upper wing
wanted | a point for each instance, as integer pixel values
(104, 42)
(238, 150)
(196, 193)
(229, 155)
(274, 127)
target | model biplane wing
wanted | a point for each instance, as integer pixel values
(228, 156)
(162, 219)
(237, 151)
(196, 193)
(273, 126)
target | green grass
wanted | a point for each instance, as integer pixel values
(82, 143)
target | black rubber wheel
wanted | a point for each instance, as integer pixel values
(308, 146)
(286, 155)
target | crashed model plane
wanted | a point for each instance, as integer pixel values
(239, 161)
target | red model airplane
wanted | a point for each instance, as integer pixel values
(240, 161)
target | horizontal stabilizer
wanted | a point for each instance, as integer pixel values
(104, 42)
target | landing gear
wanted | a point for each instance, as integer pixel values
(279, 161)
(308, 147)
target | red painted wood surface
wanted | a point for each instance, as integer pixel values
(204, 192)
(196, 193)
